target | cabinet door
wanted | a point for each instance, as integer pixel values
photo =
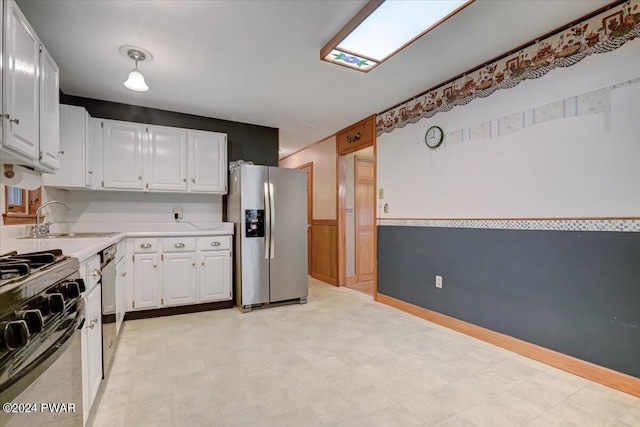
(122, 160)
(21, 84)
(207, 162)
(89, 151)
(167, 159)
(49, 110)
(121, 281)
(93, 328)
(146, 278)
(71, 170)
(1, 60)
(179, 284)
(214, 276)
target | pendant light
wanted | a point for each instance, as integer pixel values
(136, 79)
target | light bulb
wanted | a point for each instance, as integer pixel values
(136, 81)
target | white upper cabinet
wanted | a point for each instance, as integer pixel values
(49, 110)
(74, 171)
(117, 155)
(30, 86)
(207, 162)
(166, 161)
(123, 164)
(21, 84)
(1, 72)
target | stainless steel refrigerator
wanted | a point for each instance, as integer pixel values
(268, 207)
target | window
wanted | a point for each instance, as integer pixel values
(21, 205)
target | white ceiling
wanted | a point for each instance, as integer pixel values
(258, 61)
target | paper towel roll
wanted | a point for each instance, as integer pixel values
(23, 178)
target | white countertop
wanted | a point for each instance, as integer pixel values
(84, 248)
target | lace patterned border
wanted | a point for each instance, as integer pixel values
(602, 33)
(619, 225)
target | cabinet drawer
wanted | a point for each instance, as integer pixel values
(214, 243)
(145, 245)
(179, 244)
(359, 135)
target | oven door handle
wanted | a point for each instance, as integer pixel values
(14, 386)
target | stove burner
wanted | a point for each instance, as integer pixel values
(14, 267)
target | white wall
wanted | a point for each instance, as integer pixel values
(323, 157)
(569, 167)
(119, 209)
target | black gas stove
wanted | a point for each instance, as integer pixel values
(41, 315)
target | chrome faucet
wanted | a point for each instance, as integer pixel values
(43, 229)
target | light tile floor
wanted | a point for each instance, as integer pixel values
(340, 360)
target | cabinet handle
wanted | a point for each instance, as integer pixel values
(124, 274)
(179, 245)
(155, 266)
(145, 245)
(140, 178)
(194, 264)
(90, 173)
(92, 324)
(184, 179)
(193, 180)
(96, 273)
(61, 152)
(215, 243)
(8, 116)
(203, 264)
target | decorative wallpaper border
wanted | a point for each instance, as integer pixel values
(619, 225)
(602, 33)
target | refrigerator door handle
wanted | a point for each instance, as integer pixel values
(272, 206)
(267, 227)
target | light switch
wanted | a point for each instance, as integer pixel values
(381, 193)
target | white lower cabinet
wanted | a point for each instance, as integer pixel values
(121, 286)
(175, 271)
(214, 281)
(146, 281)
(179, 284)
(91, 336)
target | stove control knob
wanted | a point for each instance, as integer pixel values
(69, 289)
(81, 285)
(34, 320)
(55, 302)
(13, 335)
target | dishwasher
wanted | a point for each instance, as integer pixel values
(108, 283)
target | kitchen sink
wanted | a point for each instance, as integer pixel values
(71, 235)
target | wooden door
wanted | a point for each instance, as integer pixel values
(308, 168)
(365, 218)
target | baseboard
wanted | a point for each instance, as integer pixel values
(351, 280)
(614, 379)
(179, 309)
(330, 280)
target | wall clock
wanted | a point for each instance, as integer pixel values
(434, 136)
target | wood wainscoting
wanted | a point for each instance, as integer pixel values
(324, 249)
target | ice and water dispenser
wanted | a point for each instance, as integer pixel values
(254, 222)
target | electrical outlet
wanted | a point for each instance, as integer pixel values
(386, 208)
(438, 281)
(177, 212)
